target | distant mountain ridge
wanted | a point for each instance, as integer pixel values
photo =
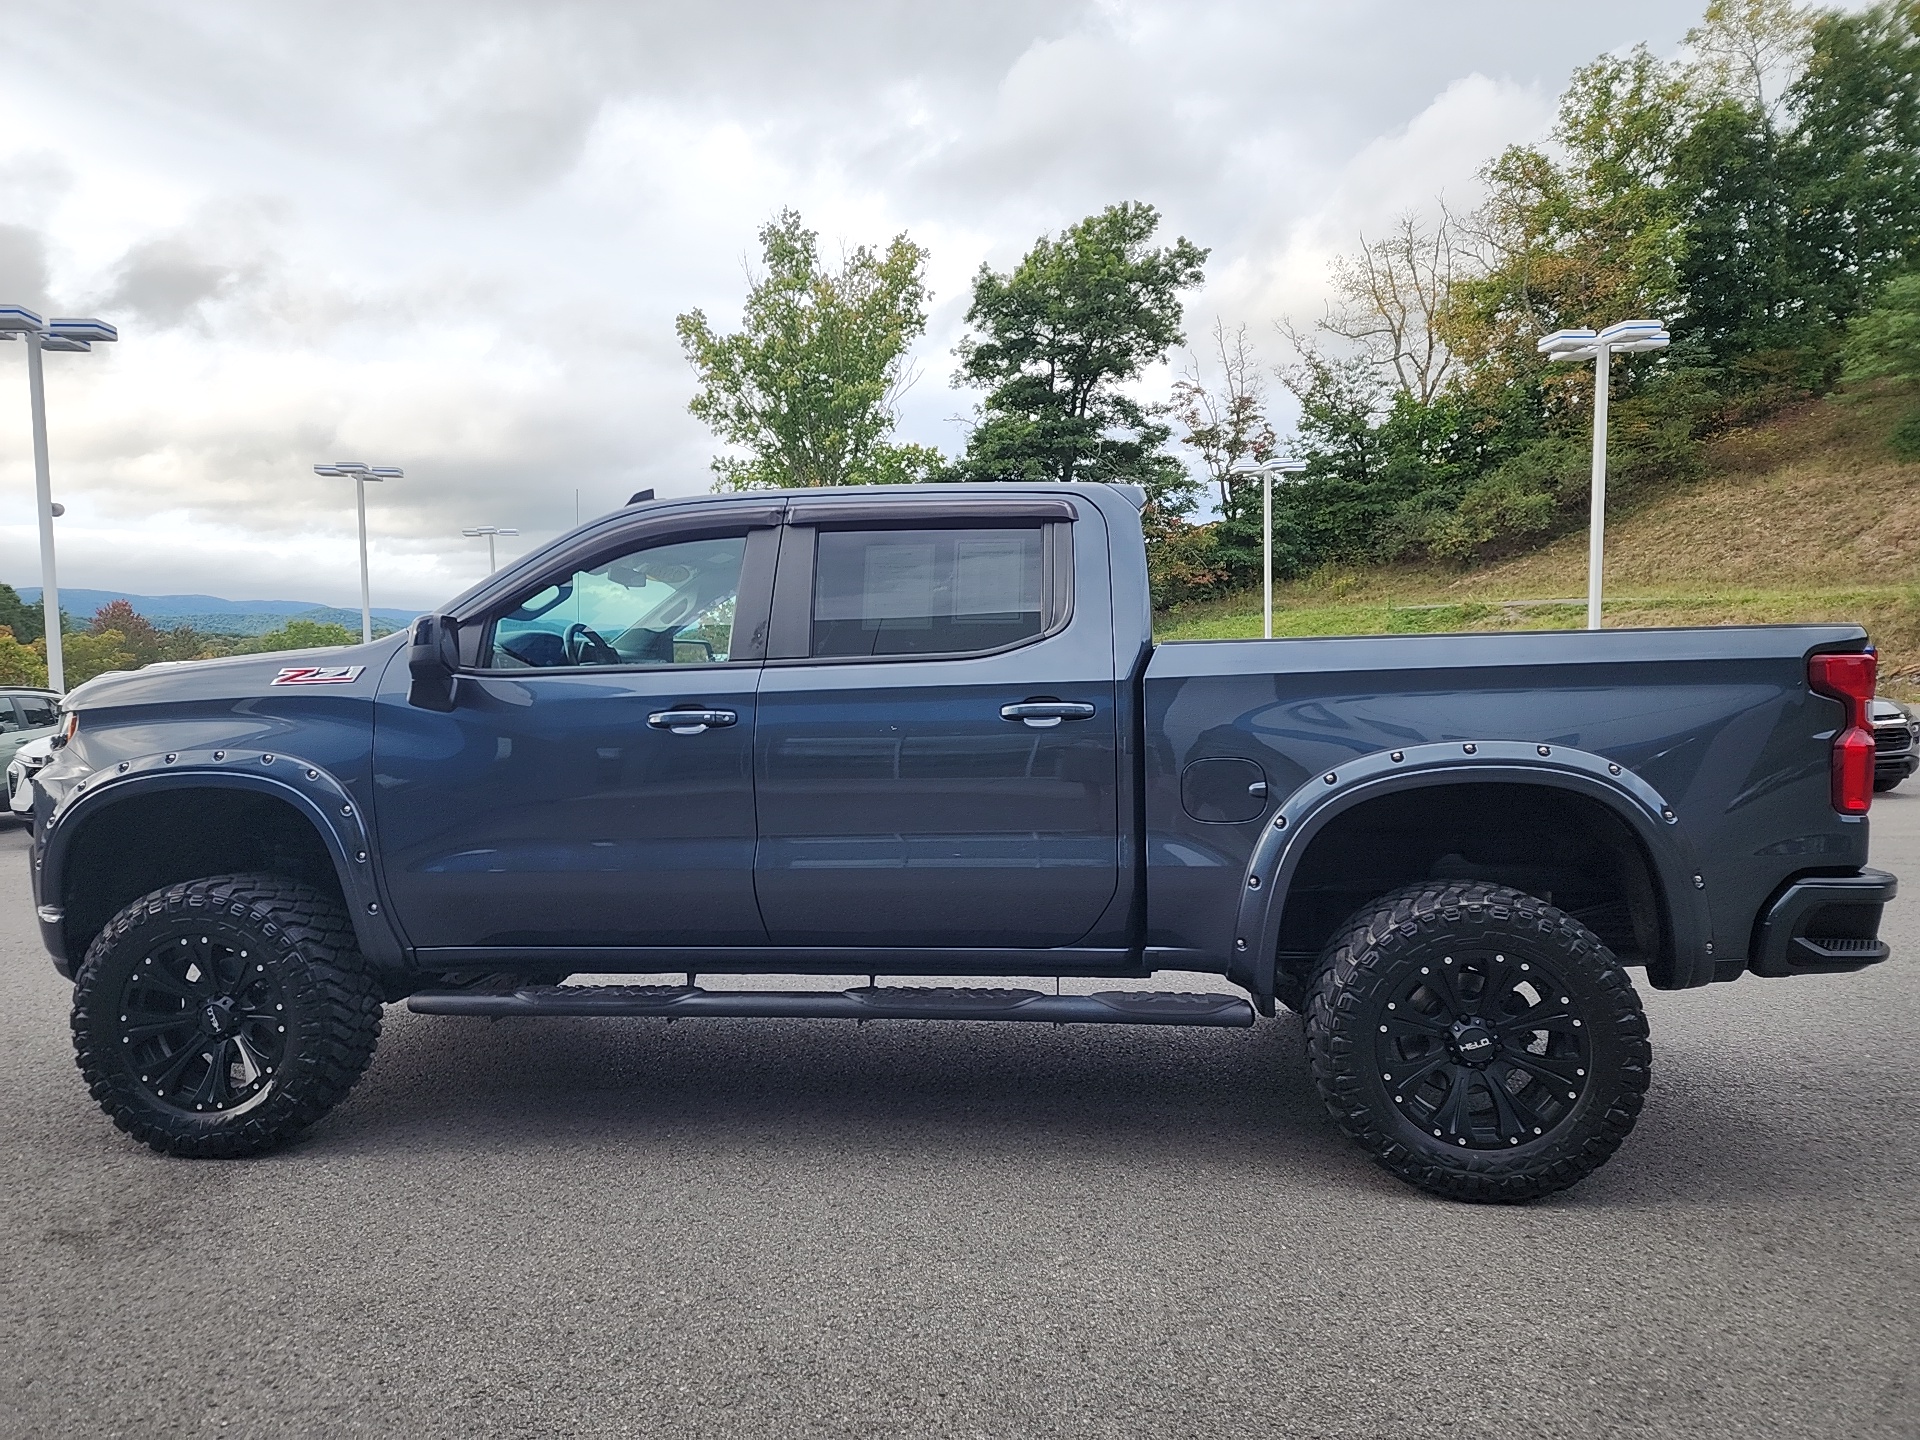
(216, 615)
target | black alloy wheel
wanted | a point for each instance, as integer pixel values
(222, 1016)
(1477, 1042)
(203, 1022)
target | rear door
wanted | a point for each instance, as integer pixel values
(936, 757)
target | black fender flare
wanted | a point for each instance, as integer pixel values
(308, 789)
(1288, 834)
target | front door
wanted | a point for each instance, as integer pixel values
(593, 786)
(906, 798)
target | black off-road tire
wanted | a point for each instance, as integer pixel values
(273, 1033)
(1400, 991)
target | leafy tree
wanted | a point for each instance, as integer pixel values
(1857, 155)
(1884, 344)
(297, 635)
(1057, 338)
(807, 387)
(137, 634)
(28, 622)
(87, 653)
(1588, 235)
(21, 664)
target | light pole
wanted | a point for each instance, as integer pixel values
(69, 335)
(1627, 336)
(1266, 471)
(489, 531)
(361, 474)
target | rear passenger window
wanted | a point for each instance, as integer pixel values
(36, 712)
(927, 592)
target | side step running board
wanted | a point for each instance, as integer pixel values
(1111, 1007)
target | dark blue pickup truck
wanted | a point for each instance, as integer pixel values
(923, 733)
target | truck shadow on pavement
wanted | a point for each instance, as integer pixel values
(798, 1092)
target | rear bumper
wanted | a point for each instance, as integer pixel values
(1823, 925)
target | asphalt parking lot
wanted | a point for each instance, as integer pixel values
(558, 1227)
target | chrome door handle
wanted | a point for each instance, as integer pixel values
(1043, 714)
(691, 722)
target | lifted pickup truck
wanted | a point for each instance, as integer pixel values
(924, 732)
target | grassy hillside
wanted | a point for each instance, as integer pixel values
(1807, 517)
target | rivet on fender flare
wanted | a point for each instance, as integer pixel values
(1668, 816)
(1240, 944)
(125, 765)
(313, 774)
(346, 809)
(1330, 777)
(219, 754)
(266, 759)
(372, 908)
(1470, 748)
(171, 758)
(1253, 882)
(1546, 749)
(1397, 757)
(1613, 769)
(1279, 822)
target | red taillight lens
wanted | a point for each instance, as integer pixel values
(1850, 679)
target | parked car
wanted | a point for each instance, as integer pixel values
(925, 731)
(25, 715)
(27, 762)
(1896, 743)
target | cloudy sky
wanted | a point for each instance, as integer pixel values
(452, 235)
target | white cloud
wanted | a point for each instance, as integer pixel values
(453, 236)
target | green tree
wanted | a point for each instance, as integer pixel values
(27, 622)
(297, 635)
(87, 653)
(807, 387)
(1884, 344)
(21, 664)
(1857, 154)
(1056, 339)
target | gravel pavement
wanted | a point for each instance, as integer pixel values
(745, 1228)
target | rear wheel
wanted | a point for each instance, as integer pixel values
(222, 1016)
(1477, 1042)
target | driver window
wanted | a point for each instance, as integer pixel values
(663, 605)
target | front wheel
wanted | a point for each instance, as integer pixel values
(1477, 1042)
(220, 1017)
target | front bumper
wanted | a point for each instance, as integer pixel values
(1823, 925)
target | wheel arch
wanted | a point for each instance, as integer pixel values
(1313, 815)
(156, 822)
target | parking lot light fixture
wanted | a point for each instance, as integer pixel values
(489, 531)
(73, 337)
(360, 475)
(1266, 470)
(1600, 347)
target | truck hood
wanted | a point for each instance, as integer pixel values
(337, 670)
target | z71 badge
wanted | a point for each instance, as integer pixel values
(319, 675)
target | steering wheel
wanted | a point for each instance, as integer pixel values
(584, 646)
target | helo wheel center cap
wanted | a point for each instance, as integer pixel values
(1473, 1041)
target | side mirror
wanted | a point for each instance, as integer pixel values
(434, 661)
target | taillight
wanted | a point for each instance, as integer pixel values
(1849, 679)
